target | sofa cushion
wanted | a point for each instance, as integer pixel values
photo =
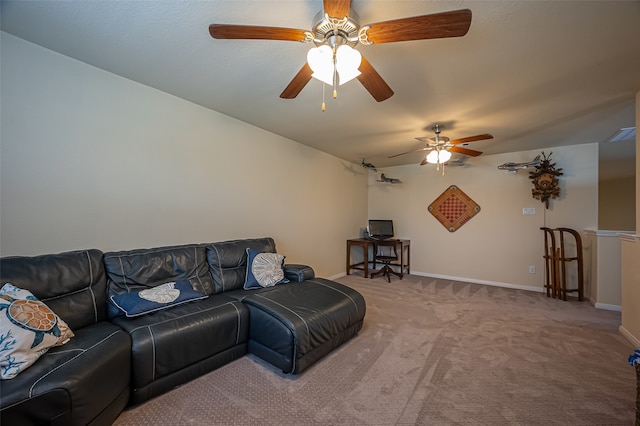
(73, 284)
(154, 299)
(28, 328)
(228, 261)
(74, 383)
(264, 269)
(135, 270)
(167, 342)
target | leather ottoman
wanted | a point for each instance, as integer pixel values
(293, 325)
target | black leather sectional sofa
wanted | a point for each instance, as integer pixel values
(114, 360)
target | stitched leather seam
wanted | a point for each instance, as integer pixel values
(184, 316)
(195, 268)
(62, 296)
(88, 288)
(299, 272)
(339, 291)
(82, 351)
(219, 268)
(123, 274)
(239, 324)
(153, 354)
(156, 250)
(93, 296)
(293, 312)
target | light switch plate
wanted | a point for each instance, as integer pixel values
(529, 210)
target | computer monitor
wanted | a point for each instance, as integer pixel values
(380, 229)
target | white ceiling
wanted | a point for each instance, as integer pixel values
(535, 74)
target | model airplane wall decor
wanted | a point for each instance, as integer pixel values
(514, 167)
(385, 179)
(368, 166)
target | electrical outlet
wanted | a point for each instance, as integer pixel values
(532, 269)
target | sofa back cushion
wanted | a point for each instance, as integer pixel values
(135, 270)
(72, 284)
(228, 261)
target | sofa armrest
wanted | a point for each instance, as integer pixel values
(298, 273)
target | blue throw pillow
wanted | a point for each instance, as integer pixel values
(264, 269)
(156, 298)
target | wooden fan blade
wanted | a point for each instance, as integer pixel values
(424, 161)
(465, 151)
(409, 152)
(481, 137)
(337, 8)
(297, 84)
(252, 32)
(438, 25)
(373, 82)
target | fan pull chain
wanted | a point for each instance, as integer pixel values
(335, 73)
(324, 107)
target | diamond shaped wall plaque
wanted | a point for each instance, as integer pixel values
(453, 208)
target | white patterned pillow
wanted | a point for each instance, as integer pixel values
(264, 269)
(157, 298)
(28, 328)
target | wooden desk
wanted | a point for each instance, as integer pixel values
(364, 265)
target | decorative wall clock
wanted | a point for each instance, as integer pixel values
(545, 180)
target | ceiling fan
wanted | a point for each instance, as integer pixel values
(441, 147)
(338, 26)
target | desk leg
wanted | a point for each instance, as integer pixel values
(348, 258)
(401, 258)
(408, 260)
(365, 256)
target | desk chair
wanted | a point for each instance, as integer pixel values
(385, 252)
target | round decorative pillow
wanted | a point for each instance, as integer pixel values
(267, 268)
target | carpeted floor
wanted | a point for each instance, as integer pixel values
(432, 352)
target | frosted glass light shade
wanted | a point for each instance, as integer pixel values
(347, 63)
(438, 157)
(320, 60)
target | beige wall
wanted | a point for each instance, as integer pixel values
(616, 204)
(630, 264)
(499, 244)
(90, 159)
(605, 281)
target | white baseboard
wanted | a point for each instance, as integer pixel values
(605, 306)
(608, 307)
(630, 337)
(335, 277)
(474, 281)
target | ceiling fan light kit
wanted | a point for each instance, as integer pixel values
(441, 147)
(336, 32)
(334, 66)
(438, 156)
